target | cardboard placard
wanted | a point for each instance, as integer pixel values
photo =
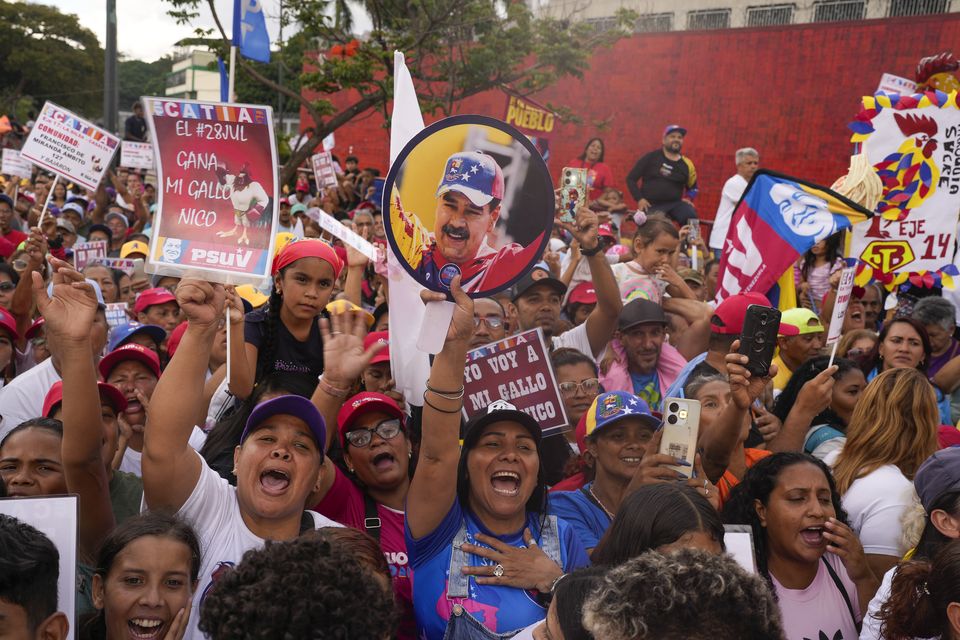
(15, 164)
(86, 252)
(136, 155)
(332, 226)
(117, 314)
(216, 214)
(844, 290)
(518, 370)
(323, 170)
(70, 146)
(890, 83)
(57, 518)
(127, 265)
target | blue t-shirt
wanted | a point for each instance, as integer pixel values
(500, 609)
(588, 520)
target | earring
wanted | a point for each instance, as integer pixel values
(234, 472)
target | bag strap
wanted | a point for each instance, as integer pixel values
(592, 500)
(371, 519)
(306, 523)
(843, 592)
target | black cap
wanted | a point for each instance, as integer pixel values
(641, 311)
(537, 276)
(499, 411)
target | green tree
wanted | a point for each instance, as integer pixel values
(454, 48)
(136, 78)
(47, 55)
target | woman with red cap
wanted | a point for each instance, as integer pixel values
(284, 335)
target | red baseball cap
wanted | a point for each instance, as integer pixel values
(35, 327)
(362, 404)
(130, 351)
(8, 322)
(604, 229)
(583, 293)
(729, 315)
(382, 337)
(175, 337)
(108, 392)
(151, 297)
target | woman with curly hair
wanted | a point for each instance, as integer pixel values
(311, 587)
(688, 595)
(484, 552)
(892, 430)
(925, 598)
(803, 546)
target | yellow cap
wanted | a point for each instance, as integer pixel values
(803, 319)
(252, 295)
(283, 239)
(342, 306)
(134, 246)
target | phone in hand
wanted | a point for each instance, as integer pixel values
(694, 233)
(573, 193)
(758, 340)
(681, 426)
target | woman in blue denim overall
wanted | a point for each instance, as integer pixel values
(485, 555)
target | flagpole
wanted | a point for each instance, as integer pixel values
(233, 63)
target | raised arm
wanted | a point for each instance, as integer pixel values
(170, 467)
(602, 321)
(434, 485)
(69, 318)
(21, 305)
(696, 338)
(814, 397)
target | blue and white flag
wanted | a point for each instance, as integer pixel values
(250, 30)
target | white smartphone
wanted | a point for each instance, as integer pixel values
(738, 539)
(681, 424)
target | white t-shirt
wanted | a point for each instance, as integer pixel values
(296, 228)
(133, 460)
(576, 338)
(218, 403)
(213, 511)
(875, 504)
(733, 189)
(22, 399)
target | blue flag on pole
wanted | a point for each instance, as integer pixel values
(224, 81)
(250, 30)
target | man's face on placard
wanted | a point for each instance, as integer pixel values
(460, 226)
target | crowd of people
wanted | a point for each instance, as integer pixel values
(301, 495)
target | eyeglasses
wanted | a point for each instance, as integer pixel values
(590, 386)
(388, 429)
(493, 322)
(7, 286)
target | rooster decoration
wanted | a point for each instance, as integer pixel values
(936, 73)
(909, 174)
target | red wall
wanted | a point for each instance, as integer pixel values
(787, 91)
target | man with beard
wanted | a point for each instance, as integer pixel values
(669, 179)
(249, 201)
(468, 207)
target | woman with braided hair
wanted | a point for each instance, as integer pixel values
(285, 335)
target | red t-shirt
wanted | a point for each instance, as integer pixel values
(344, 503)
(15, 237)
(599, 176)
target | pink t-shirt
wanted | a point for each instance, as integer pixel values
(346, 501)
(819, 611)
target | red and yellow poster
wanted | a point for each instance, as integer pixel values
(217, 177)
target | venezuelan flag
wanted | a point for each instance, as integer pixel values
(776, 221)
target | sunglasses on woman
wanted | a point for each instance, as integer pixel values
(388, 429)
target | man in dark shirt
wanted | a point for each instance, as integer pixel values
(135, 127)
(669, 179)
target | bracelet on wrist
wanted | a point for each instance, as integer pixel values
(591, 252)
(436, 408)
(329, 389)
(449, 395)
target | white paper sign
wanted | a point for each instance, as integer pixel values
(329, 142)
(86, 252)
(117, 314)
(56, 518)
(323, 171)
(136, 155)
(70, 146)
(331, 225)
(890, 83)
(840, 305)
(16, 165)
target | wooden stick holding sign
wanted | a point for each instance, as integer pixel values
(844, 291)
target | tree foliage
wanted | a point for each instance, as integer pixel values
(454, 48)
(47, 55)
(136, 78)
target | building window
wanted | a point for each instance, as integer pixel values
(176, 79)
(838, 10)
(653, 22)
(601, 25)
(900, 8)
(769, 15)
(708, 19)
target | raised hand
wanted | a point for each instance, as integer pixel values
(343, 356)
(201, 302)
(586, 229)
(461, 325)
(70, 310)
(235, 304)
(744, 387)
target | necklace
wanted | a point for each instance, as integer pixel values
(605, 510)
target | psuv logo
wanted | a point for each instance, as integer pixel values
(238, 258)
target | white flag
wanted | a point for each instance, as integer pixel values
(409, 365)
